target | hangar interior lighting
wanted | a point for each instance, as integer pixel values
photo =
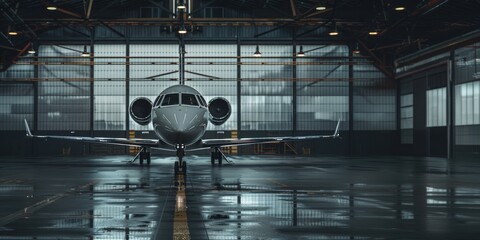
(84, 52)
(334, 32)
(182, 30)
(12, 32)
(301, 53)
(356, 50)
(320, 8)
(31, 50)
(181, 6)
(399, 8)
(51, 7)
(257, 52)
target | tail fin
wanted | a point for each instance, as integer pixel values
(27, 128)
(336, 134)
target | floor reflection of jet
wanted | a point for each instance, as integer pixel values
(179, 116)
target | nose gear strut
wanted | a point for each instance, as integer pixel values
(180, 165)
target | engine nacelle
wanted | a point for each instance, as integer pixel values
(141, 110)
(220, 110)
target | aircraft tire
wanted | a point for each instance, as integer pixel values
(220, 158)
(176, 167)
(212, 158)
(141, 159)
(148, 158)
(184, 167)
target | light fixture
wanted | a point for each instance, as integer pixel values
(257, 52)
(31, 50)
(12, 32)
(320, 8)
(181, 6)
(373, 33)
(182, 30)
(301, 53)
(334, 32)
(399, 8)
(51, 7)
(356, 50)
(85, 53)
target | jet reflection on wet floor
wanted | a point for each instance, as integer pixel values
(257, 198)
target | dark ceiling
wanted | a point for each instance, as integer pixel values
(421, 24)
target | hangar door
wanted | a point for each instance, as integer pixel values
(423, 111)
(436, 112)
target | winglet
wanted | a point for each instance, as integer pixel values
(336, 134)
(27, 128)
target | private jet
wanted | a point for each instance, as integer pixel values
(179, 116)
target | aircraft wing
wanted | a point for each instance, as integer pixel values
(136, 142)
(248, 141)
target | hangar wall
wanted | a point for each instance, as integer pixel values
(440, 104)
(59, 92)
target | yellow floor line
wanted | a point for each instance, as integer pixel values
(180, 220)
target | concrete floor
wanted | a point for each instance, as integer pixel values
(257, 197)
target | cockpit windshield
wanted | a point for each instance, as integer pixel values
(158, 100)
(189, 99)
(171, 99)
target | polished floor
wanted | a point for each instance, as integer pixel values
(256, 197)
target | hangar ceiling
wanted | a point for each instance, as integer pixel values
(420, 24)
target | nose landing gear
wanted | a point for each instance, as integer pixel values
(180, 165)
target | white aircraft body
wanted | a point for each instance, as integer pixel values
(179, 116)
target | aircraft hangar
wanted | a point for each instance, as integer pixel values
(298, 119)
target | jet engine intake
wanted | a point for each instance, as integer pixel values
(141, 110)
(220, 110)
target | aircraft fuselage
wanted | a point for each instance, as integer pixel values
(180, 115)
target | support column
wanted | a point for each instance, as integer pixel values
(127, 80)
(35, 91)
(350, 100)
(451, 106)
(92, 82)
(294, 84)
(239, 85)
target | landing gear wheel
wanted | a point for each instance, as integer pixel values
(184, 168)
(148, 158)
(176, 168)
(142, 156)
(220, 158)
(212, 158)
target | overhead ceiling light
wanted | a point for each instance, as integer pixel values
(85, 53)
(31, 50)
(356, 50)
(11, 31)
(182, 30)
(321, 8)
(373, 33)
(334, 32)
(301, 53)
(181, 6)
(399, 8)
(51, 7)
(257, 52)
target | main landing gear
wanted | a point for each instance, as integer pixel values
(180, 165)
(217, 155)
(143, 155)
